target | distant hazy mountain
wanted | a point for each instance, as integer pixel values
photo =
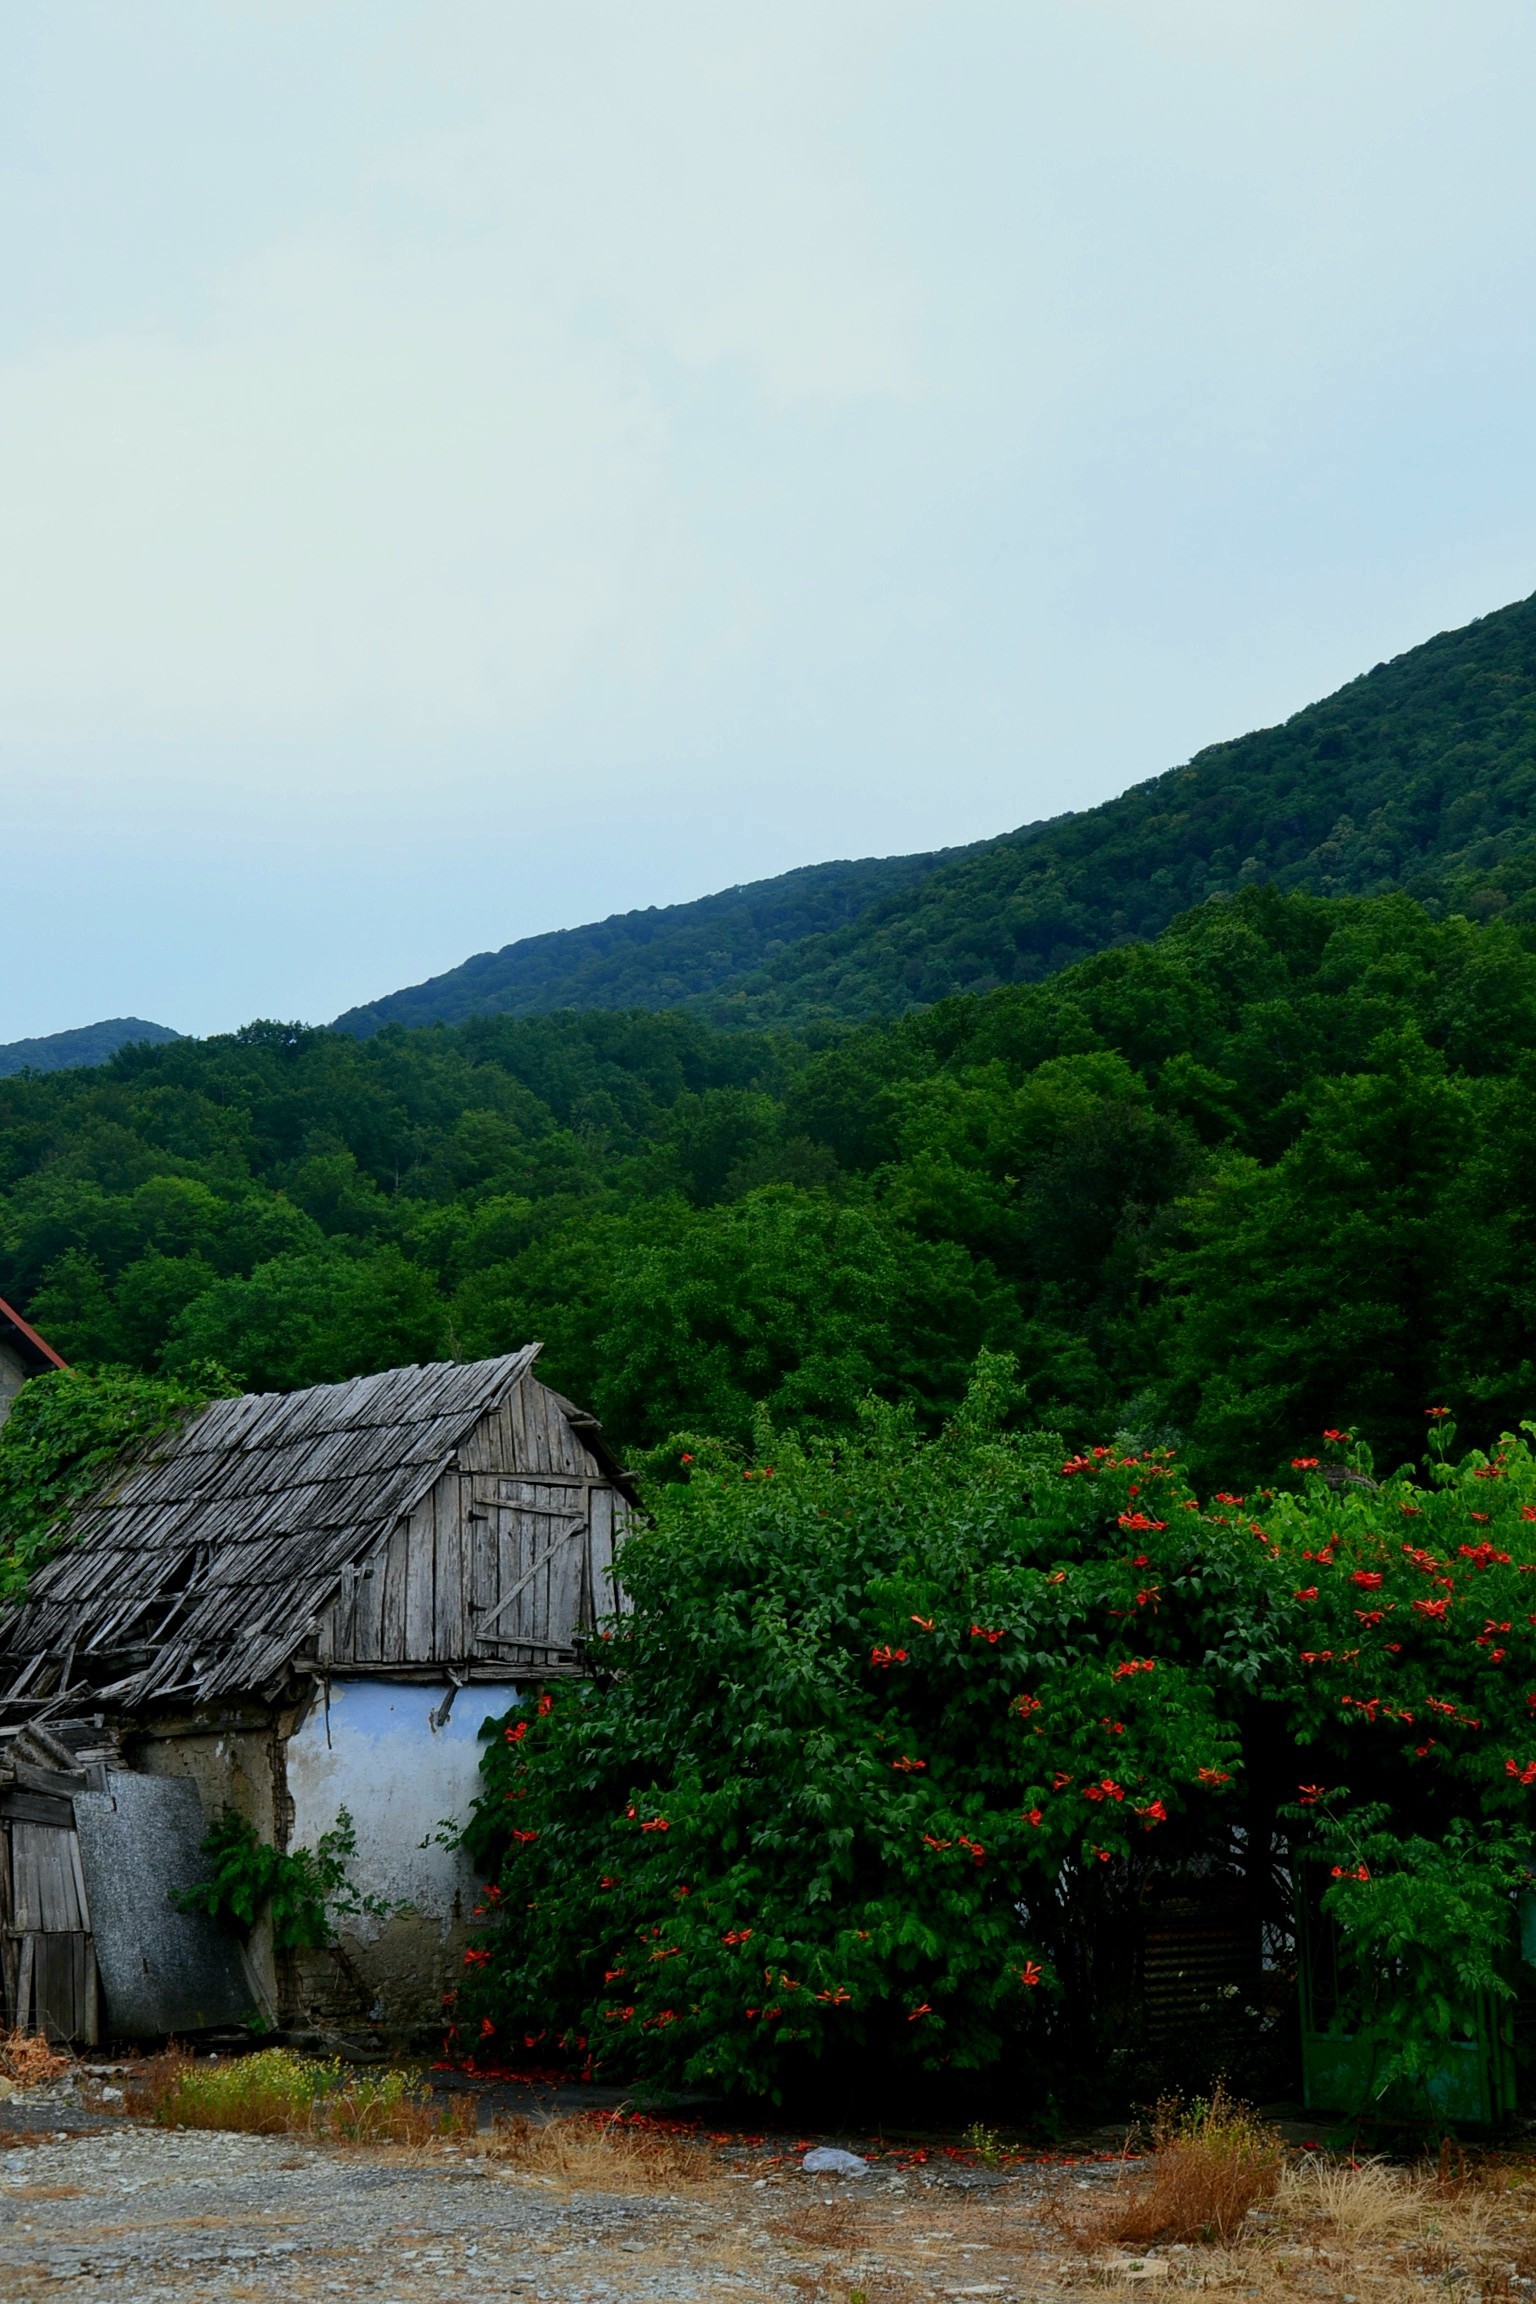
(87, 1044)
(1420, 775)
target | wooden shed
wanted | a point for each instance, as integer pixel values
(311, 1602)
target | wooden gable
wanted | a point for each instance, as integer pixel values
(503, 1565)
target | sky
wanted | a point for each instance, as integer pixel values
(467, 469)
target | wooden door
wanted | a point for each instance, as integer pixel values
(541, 1553)
(50, 1960)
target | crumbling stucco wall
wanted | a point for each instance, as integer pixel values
(375, 1751)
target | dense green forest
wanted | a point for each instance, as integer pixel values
(1419, 775)
(1274, 1170)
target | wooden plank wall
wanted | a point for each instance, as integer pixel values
(50, 1960)
(505, 1560)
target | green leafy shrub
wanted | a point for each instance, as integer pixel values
(881, 1724)
(1425, 1928)
(895, 1735)
(305, 1890)
(1414, 1707)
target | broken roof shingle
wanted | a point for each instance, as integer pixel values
(221, 1548)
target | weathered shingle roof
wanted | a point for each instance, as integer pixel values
(203, 1572)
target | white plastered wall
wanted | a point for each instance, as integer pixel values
(407, 1785)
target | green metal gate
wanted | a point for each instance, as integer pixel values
(1474, 2083)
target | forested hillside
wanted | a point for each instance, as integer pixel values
(1273, 1171)
(1419, 775)
(669, 956)
(86, 1044)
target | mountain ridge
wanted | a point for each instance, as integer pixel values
(753, 915)
(1419, 774)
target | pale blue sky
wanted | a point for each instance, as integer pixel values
(466, 469)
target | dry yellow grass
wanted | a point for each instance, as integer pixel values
(601, 2154)
(1364, 2205)
(1209, 2168)
(1383, 2234)
(760, 2230)
(1215, 2201)
(838, 2226)
(1319, 2231)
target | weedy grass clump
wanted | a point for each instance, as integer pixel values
(985, 2143)
(395, 2108)
(601, 2152)
(271, 2093)
(1211, 2164)
(1363, 2204)
(278, 2093)
(27, 2060)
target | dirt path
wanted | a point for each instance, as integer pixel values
(140, 2215)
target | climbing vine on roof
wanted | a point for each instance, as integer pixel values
(63, 1439)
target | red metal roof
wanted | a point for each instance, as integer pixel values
(19, 1331)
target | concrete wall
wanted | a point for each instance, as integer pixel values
(236, 1766)
(375, 1752)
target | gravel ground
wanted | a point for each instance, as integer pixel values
(95, 2203)
(141, 2215)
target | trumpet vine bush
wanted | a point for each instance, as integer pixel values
(893, 1731)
